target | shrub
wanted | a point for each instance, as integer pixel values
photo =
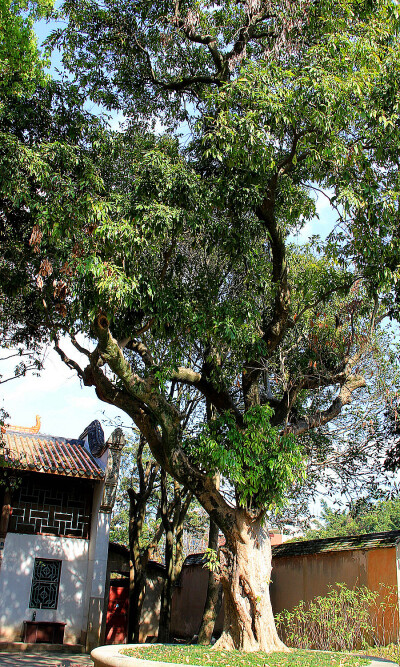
(343, 620)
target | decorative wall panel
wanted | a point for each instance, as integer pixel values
(45, 584)
(52, 506)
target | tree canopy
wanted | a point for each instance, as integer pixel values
(171, 259)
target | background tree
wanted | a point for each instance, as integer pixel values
(362, 517)
(151, 516)
(351, 460)
(188, 244)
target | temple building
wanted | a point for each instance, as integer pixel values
(56, 496)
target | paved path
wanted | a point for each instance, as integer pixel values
(375, 662)
(44, 660)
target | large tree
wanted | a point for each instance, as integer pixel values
(180, 264)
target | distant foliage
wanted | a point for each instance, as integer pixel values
(362, 517)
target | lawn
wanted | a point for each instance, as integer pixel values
(203, 655)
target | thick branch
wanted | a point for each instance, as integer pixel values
(276, 328)
(220, 399)
(141, 349)
(324, 416)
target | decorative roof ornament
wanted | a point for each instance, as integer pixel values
(25, 429)
(116, 443)
(95, 436)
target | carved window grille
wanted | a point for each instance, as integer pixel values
(45, 584)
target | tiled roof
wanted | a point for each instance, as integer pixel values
(195, 559)
(348, 543)
(48, 454)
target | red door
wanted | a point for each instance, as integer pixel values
(117, 613)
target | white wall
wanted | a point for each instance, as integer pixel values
(97, 570)
(15, 584)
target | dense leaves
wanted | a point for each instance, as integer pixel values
(257, 461)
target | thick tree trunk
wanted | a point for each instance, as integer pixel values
(214, 594)
(249, 622)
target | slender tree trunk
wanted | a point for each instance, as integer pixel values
(138, 558)
(214, 590)
(214, 593)
(249, 622)
(166, 595)
(137, 592)
(137, 571)
(173, 526)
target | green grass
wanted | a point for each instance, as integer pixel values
(203, 655)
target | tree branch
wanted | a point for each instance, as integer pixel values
(322, 417)
(69, 362)
(221, 399)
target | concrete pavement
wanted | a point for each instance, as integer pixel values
(49, 659)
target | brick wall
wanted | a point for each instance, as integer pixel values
(51, 505)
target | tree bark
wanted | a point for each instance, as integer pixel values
(137, 569)
(166, 594)
(214, 589)
(249, 622)
(137, 592)
(214, 593)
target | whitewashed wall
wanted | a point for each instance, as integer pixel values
(15, 584)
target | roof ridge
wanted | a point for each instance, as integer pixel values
(339, 543)
(44, 435)
(344, 537)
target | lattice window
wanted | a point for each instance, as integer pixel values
(45, 584)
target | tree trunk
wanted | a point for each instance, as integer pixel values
(139, 558)
(173, 526)
(137, 592)
(166, 594)
(137, 569)
(249, 622)
(214, 593)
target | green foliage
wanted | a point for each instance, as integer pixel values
(21, 66)
(343, 620)
(257, 459)
(212, 560)
(363, 517)
(187, 246)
